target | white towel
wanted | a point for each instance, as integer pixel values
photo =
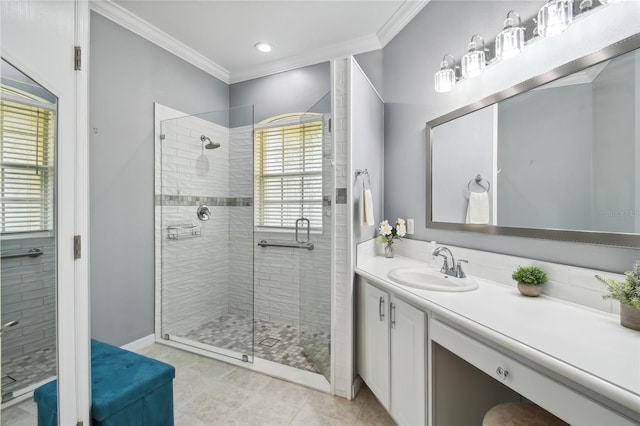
(366, 201)
(478, 208)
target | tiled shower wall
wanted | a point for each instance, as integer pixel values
(194, 268)
(28, 296)
(240, 283)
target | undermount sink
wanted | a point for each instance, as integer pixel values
(429, 279)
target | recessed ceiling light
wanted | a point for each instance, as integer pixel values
(263, 47)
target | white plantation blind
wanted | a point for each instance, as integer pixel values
(26, 174)
(289, 175)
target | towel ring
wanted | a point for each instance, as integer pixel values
(360, 172)
(478, 181)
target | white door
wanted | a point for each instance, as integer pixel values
(373, 340)
(408, 373)
(38, 37)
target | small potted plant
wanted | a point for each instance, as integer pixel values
(627, 293)
(530, 280)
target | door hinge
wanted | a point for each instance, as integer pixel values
(77, 58)
(77, 247)
(80, 423)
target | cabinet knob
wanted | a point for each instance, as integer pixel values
(502, 373)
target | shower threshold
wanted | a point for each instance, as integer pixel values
(203, 346)
(305, 378)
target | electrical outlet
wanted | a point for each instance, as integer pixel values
(410, 227)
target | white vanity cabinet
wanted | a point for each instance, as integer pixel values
(545, 390)
(391, 353)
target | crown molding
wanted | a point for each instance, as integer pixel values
(121, 16)
(400, 19)
(126, 19)
(338, 50)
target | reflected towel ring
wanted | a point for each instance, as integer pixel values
(478, 181)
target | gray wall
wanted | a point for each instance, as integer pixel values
(127, 75)
(367, 152)
(372, 63)
(292, 91)
(410, 61)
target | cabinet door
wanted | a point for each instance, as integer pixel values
(408, 372)
(373, 340)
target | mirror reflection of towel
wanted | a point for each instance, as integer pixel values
(478, 208)
(366, 201)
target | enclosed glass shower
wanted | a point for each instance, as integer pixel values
(226, 284)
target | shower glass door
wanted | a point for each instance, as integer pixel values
(205, 230)
(28, 133)
(315, 265)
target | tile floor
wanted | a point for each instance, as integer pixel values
(274, 342)
(210, 392)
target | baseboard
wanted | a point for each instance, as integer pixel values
(355, 387)
(143, 342)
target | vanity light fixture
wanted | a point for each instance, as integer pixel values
(510, 41)
(475, 61)
(263, 47)
(555, 17)
(445, 79)
(552, 19)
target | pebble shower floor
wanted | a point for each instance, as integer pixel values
(273, 342)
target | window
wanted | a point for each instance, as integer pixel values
(289, 171)
(27, 134)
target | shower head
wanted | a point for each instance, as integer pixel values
(211, 144)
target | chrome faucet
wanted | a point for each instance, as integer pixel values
(455, 269)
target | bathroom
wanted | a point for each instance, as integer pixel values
(128, 74)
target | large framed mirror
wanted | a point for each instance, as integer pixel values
(555, 157)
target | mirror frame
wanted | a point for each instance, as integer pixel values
(627, 240)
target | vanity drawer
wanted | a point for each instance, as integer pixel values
(553, 396)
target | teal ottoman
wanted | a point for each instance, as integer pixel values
(127, 389)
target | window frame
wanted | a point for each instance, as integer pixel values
(274, 124)
(45, 227)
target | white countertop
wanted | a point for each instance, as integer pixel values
(588, 347)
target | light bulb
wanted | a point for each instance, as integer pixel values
(510, 41)
(445, 79)
(474, 62)
(554, 17)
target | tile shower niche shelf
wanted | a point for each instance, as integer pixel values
(175, 232)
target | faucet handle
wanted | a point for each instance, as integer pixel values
(459, 272)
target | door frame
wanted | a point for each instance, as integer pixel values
(67, 28)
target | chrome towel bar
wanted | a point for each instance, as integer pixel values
(306, 245)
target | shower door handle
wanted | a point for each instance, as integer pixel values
(302, 220)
